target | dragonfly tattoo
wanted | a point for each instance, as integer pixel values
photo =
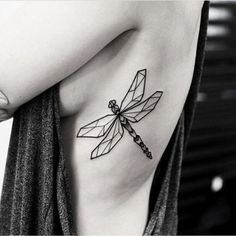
(132, 109)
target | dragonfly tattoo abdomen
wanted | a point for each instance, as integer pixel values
(132, 109)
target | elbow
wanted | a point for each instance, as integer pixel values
(9, 103)
(3, 100)
(6, 109)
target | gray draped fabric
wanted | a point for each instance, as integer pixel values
(36, 195)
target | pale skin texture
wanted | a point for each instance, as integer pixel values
(41, 45)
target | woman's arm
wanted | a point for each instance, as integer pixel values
(43, 42)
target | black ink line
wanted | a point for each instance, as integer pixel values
(112, 125)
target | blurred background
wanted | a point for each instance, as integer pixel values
(207, 199)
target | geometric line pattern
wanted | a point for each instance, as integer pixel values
(135, 92)
(110, 140)
(97, 128)
(139, 111)
(112, 126)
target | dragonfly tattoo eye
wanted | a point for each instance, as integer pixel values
(132, 109)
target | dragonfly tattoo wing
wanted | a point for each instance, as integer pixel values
(111, 139)
(97, 128)
(136, 91)
(138, 112)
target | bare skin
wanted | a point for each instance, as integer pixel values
(96, 60)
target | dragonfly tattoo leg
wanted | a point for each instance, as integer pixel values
(137, 139)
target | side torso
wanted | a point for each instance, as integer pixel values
(110, 193)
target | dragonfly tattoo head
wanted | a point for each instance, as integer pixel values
(132, 109)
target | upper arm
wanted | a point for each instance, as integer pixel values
(43, 42)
